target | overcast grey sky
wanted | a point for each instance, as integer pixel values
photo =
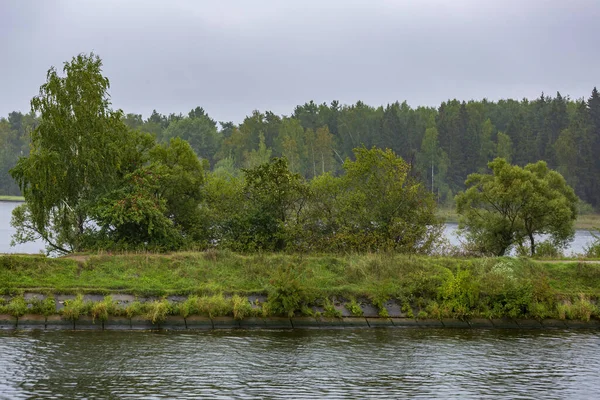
(232, 57)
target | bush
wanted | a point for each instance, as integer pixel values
(134, 309)
(215, 306)
(17, 307)
(286, 292)
(241, 307)
(593, 250)
(158, 311)
(46, 307)
(189, 307)
(548, 250)
(102, 309)
(75, 308)
(354, 307)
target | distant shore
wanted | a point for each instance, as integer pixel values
(12, 198)
(583, 222)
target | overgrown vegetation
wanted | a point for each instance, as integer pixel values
(218, 285)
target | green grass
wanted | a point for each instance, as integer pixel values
(434, 286)
(12, 198)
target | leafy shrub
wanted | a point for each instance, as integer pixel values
(459, 294)
(158, 311)
(581, 309)
(547, 250)
(17, 307)
(189, 307)
(241, 307)
(286, 292)
(75, 308)
(407, 310)
(354, 307)
(45, 306)
(215, 306)
(102, 309)
(593, 249)
(330, 311)
(134, 309)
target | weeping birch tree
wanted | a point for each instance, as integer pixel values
(76, 149)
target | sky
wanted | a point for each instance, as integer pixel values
(233, 57)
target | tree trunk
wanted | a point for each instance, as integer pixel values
(532, 240)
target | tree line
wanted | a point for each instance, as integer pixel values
(442, 145)
(94, 178)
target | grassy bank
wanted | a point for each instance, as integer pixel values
(433, 287)
(12, 198)
(584, 221)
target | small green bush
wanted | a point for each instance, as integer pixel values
(241, 307)
(354, 307)
(189, 307)
(134, 309)
(215, 306)
(330, 311)
(45, 307)
(158, 311)
(286, 293)
(75, 308)
(102, 309)
(17, 307)
(547, 250)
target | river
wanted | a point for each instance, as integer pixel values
(375, 363)
(582, 237)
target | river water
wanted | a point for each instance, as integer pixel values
(374, 363)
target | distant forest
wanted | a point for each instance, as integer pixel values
(443, 145)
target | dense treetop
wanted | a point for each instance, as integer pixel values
(443, 145)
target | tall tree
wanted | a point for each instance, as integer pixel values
(76, 149)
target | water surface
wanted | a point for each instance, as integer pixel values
(395, 363)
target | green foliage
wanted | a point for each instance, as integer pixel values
(241, 307)
(548, 250)
(286, 292)
(134, 309)
(190, 307)
(459, 294)
(581, 309)
(329, 309)
(274, 197)
(216, 306)
(592, 250)
(102, 309)
(75, 308)
(354, 307)
(17, 307)
(158, 310)
(514, 204)
(45, 307)
(76, 149)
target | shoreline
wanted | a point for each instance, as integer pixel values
(203, 323)
(375, 288)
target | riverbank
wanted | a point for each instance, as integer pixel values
(12, 198)
(223, 284)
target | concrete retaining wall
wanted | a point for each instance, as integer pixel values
(55, 322)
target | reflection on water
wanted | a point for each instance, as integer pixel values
(301, 364)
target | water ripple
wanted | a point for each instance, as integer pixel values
(300, 364)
